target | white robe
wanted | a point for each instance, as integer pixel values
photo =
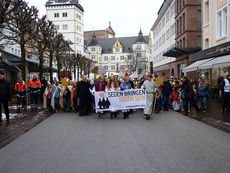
(150, 87)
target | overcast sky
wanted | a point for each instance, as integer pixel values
(126, 16)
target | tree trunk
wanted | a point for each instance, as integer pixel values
(23, 61)
(41, 61)
(59, 67)
(51, 66)
(74, 68)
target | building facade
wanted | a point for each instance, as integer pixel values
(214, 59)
(163, 34)
(68, 18)
(100, 34)
(121, 55)
(188, 38)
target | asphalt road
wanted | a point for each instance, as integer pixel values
(67, 143)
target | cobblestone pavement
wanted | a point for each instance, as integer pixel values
(19, 124)
(170, 143)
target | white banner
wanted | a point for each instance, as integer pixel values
(120, 100)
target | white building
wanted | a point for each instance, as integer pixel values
(67, 16)
(121, 55)
(163, 33)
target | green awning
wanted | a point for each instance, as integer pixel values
(179, 51)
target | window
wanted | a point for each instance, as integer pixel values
(129, 57)
(117, 50)
(79, 28)
(206, 12)
(112, 67)
(122, 58)
(222, 23)
(112, 58)
(93, 49)
(64, 15)
(106, 67)
(64, 27)
(57, 27)
(206, 43)
(56, 15)
(93, 57)
(122, 67)
(184, 22)
(106, 58)
(138, 55)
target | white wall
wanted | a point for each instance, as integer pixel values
(159, 32)
(75, 31)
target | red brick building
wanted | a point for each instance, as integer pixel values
(188, 38)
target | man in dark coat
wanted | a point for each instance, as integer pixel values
(83, 95)
(166, 91)
(187, 90)
(5, 96)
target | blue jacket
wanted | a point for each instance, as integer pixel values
(125, 86)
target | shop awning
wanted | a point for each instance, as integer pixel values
(219, 62)
(195, 66)
(179, 51)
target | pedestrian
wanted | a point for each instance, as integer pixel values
(226, 103)
(67, 97)
(203, 93)
(113, 85)
(48, 95)
(55, 103)
(83, 95)
(43, 85)
(150, 88)
(187, 94)
(35, 91)
(166, 91)
(5, 96)
(100, 86)
(126, 86)
(21, 88)
(74, 96)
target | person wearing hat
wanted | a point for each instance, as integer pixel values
(5, 96)
(113, 85)
(150, 88)
(226, 103)
(100, 85)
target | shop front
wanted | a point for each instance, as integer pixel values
(214, 63)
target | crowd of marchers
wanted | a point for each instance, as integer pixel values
(72, 96)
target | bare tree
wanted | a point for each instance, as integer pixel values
(20, 25)
(6, 8)
(41, 37)
(59, 50)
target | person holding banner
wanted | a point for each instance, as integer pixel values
(125, 86)
(100, 85)
(150, 87)
(113, 85)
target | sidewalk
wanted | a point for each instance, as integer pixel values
(213, 115)
(19, 124)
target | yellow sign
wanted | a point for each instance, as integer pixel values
(64, 82)
(159, 81)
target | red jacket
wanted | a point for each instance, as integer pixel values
(100, 86)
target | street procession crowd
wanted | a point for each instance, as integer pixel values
(161, 94)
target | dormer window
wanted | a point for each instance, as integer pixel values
(93, 49)
(117, 50)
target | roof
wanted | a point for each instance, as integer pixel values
(165, 5)
(140, 38)
(10, 59)
(179, 51)
(64, 2)
(93, 41)
(108, 43)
